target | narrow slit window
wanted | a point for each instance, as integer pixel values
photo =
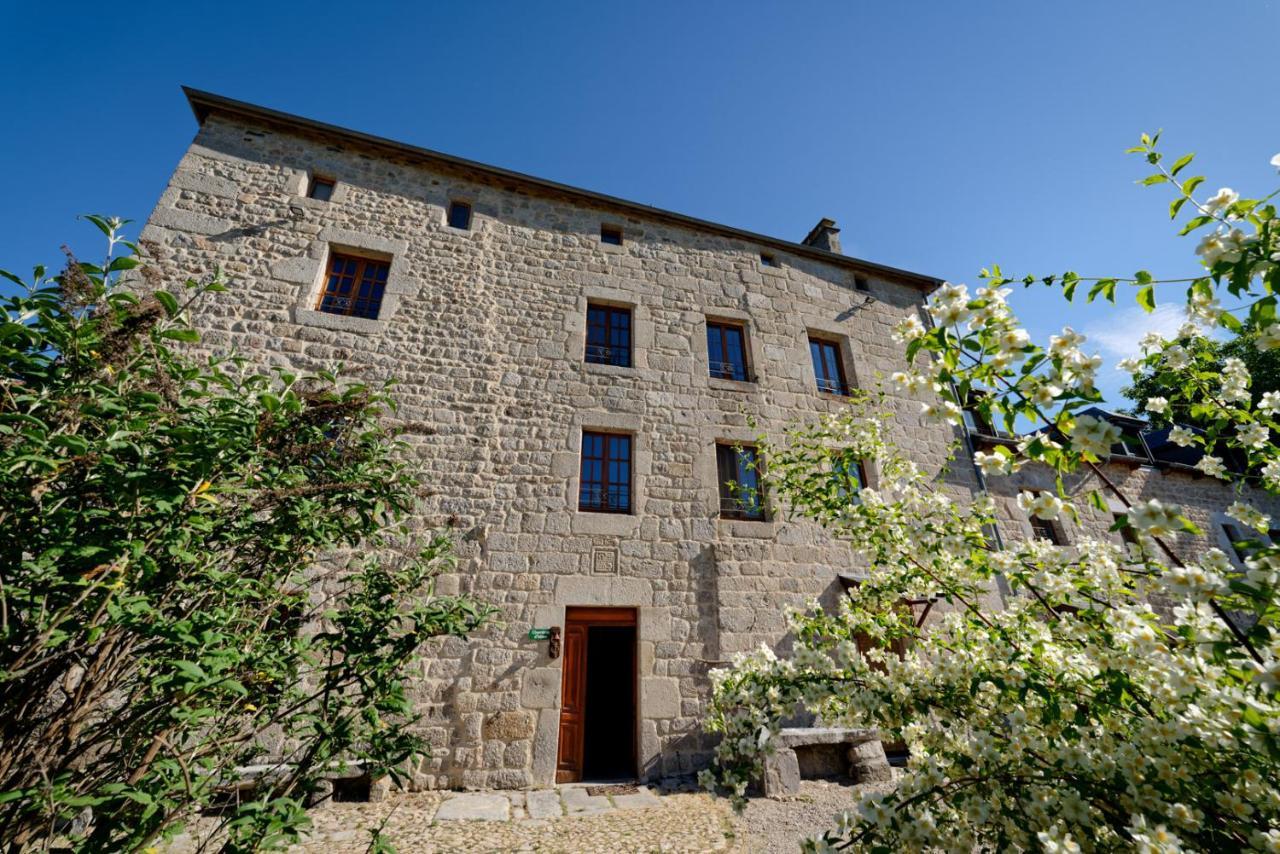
(768, 259)
(609, 335)
(605, 483)
(320, 188)
(741, 492)
(611, 234)
(354, 286)
(727, 350)
(459, 215)
(860, 284)
(828, 366)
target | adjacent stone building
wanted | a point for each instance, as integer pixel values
(574, 371)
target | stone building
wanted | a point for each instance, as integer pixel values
(575, 371)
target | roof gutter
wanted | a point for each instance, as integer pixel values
(203, 104)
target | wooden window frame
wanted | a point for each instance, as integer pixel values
(731, 506)
(363, 266)
(456, 204)
(823, 381)
(611, 234)
(603, 353)
(314, 181)
(1052, 528)
(724, 353)
(604, 483)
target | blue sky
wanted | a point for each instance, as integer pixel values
(942, 136)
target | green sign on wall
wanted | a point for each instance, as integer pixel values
(539, 634)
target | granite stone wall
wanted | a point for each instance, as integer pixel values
(483, 332)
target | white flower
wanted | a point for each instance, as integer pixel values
(1270, 403)
(1254, 436)
(1129, 366)
(1182, 437)
(1155, 518)
(1275, 161)
(908, 329)
(1271, 475)
(1094, 436)
(1046, 505)
(1157, 405)
(1177, 357)
(991, 464)
(1060, 345)
(1212, 466)
(1269, 338)
(943, 410)
(1224, 198)
(1249, 516)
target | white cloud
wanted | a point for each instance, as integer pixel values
(1119, 333)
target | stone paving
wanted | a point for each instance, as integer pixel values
(564, 819)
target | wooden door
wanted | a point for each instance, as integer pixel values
(573, 694)
(573, 689)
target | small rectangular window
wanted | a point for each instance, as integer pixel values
(459, 215)
(860, 284)
(605, 483)
(1047, 529)
(768, 259)
(741, 491)
(354, 286)
(727, 350)
(320, 188)
(828, 366)
(611, 234)
(609, 335)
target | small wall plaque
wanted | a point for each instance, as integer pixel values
(539, 634)
(604, 562)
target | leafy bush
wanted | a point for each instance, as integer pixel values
(1079, 716)
(202, 571)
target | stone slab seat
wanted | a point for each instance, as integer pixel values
(867, 762)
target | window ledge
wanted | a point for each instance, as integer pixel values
(732, 385)
(615, 370)
(613, 247)
(763, 530)
(340, 322)
(616, 524)
(839, 398)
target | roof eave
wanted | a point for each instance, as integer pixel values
(205, 103)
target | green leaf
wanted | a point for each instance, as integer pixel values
(1180, 163)
(1191, 183)
(1176, 205)
(124, 262)
(1157, 178)
(1142, 277)
(189, 336)
(1147, 298)
(1195, 223)
(167, 300)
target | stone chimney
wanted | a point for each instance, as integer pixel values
(824, 235)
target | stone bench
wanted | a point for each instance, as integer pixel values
(824, 751)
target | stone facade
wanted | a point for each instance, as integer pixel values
(483, 331)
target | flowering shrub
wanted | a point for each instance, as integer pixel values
(199, 573)
(1078, 716)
